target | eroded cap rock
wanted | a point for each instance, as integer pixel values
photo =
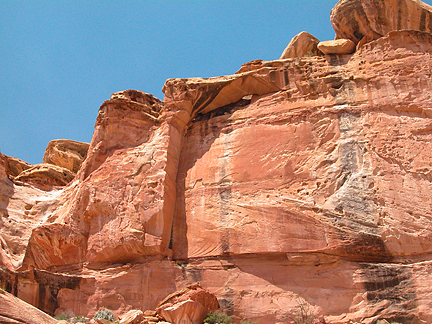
(303, 44)
(353, 19)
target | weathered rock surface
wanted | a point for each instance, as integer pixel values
(66, 153)
(303, 44)
(14, 166)
(188, 306)
(337, 46)
(46, 176)
(354, 19)
(97, 220)
(15, 311)
(134, 316)
(306, 179)
(22, 208)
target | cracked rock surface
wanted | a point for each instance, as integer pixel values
(305, 179)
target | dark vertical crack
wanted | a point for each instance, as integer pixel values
(423, 21)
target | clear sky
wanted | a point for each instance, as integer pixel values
(59, 60)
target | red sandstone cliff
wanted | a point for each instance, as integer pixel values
(296, 178)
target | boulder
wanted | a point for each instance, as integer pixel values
(354, 19)
(188, 306)
(303, 44)
(151, 319)
(338, 46)
(15, 311)
(149, 312)
(66, 153)
(134, 316)
(46, 176)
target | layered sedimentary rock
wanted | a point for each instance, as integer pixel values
(14, 166)
(66, 153)
(354, 19)
(45, 176)
(296, 181)
(113, 214)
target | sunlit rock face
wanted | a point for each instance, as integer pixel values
(354, 19)
(66, 153)
(303, 181)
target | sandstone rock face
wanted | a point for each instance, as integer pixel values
(188, 306)
(13, 310)
(306, 179)
(319, 191)
(303, 44)
(354, 19)
(338, 46)
(66, 153)
(22, 208)
(94, 223)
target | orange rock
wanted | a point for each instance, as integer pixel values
(14, 310)
(353, 19)
(189, 305)
(22, 208)
(46, 176)
(15, 166)
(369, 37)
(304, 179)
(303, 44)
(134, 316)
(150, 313)
(66, 153)
(338, 46)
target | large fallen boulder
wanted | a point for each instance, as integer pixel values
(188, 306)
(134, 316)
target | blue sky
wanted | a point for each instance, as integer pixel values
(59, 60)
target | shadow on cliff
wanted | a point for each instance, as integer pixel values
(37, 287)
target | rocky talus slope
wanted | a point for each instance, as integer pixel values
(300, 180)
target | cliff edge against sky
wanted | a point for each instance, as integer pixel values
(305, 178)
